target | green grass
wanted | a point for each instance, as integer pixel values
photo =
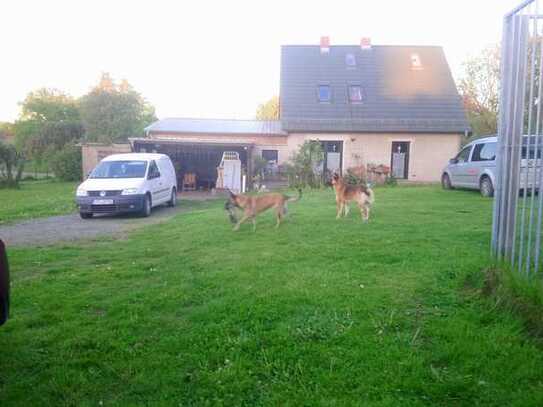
(319, 312)
(36, 199)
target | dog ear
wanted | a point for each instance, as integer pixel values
(232, 195)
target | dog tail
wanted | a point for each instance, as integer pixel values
(297, 198)
(371, 195)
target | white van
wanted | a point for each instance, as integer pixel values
(131, 182)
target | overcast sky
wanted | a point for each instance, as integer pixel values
(212, 58)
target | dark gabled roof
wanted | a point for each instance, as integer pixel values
(216, 126)
(397, 97)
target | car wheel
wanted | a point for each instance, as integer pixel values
(486, 187)
(85, 215)
(446, 181)
(173, 200)
(146, 211)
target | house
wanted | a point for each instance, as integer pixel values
(366, 104)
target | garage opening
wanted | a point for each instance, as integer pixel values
(198, 159)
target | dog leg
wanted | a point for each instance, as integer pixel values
(339, 206)
(278, 215)
(368, 207)
(346, 209)
(364, 212)
(254, 223)
(243, 219)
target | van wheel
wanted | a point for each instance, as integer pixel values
(146, 210)
(486, 187)
(85, 215)
(446, 181)
(173, 200)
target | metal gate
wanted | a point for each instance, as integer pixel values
(517, 216)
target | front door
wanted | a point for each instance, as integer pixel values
(399, 159)
(333, 151)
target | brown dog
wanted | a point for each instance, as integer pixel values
(362, 195)
(252, 205)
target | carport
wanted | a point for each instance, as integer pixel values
(201, 158)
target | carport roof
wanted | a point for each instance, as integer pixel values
(216, 126)
(167, 140)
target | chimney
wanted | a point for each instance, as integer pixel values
(365, 43)
(325, 45)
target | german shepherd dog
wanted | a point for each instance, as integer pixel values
(361, 194)
(254, 205)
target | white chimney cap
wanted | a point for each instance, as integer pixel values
(365, 43)
(325, 45)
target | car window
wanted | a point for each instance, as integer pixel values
(153, 170)
(463, 155)
(484, 152)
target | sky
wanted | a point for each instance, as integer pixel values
(212, 59)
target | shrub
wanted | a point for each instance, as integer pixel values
(354, 176)
(305, 166)
(259, 165)
(391, 181)
(66, 164)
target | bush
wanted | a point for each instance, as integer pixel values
(66, 164)
(355, 177)
(391, 181)
(305, 166)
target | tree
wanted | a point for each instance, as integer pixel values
(269, 110)
(49, 120)
(479, 90)
(112, 113)
(6, 131)
(49, 105)
(11, 165)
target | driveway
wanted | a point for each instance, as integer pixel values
(71, 227)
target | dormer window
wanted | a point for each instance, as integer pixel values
(355, 94)
(324, 93)
(415, 61)
(350, 60)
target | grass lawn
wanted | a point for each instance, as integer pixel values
(36, 199)
(319, 312)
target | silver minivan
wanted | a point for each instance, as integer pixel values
(474, 167)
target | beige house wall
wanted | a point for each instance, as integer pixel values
(93, 153)
(428, 153)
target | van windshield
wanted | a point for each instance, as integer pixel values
(120, 169)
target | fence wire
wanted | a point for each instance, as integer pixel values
(518, 205)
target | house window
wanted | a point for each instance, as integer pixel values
(355, 94)
(324, 93)
(350, 60)
(415, 61)
(270, 155)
